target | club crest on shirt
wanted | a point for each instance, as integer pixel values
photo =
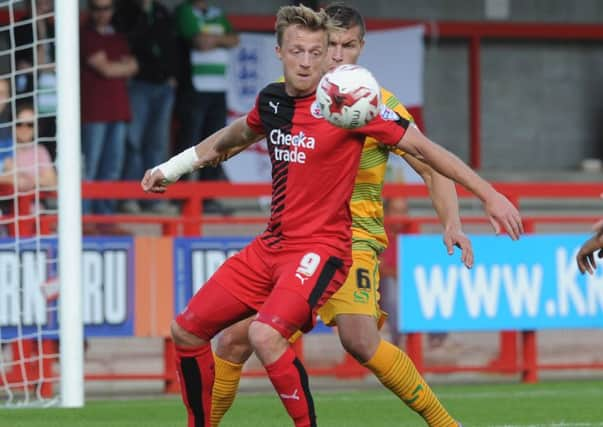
(315, 110)
(388, 114)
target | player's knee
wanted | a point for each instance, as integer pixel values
(234, 346)
(266, 341)
(361, 347)
(181, 337)
(262, 335)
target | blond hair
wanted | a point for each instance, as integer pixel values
(303, 16)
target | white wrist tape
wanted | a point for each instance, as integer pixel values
(178, 165)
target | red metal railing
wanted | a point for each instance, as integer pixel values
(518, 354)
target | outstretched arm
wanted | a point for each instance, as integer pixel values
(215, 148)
(499, 209)
(445, 202)
(586, 255)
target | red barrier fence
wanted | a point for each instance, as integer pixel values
(192, 194)
(518, 351)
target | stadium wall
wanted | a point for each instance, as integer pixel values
(537, 96)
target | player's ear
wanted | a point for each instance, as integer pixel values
(277, 49)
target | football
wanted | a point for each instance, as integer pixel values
(349, 96)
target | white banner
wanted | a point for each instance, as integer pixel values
(394, 56)
(253, 65)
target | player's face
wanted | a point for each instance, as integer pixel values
(345, 46)
(303, 54)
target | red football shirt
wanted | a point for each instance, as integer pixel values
(314, 165)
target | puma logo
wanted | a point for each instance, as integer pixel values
(301, 278)
(274, 106)
(293, 396)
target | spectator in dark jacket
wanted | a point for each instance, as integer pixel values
(151, 35)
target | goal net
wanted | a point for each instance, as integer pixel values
(33, 183)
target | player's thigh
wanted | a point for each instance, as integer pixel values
(304, 281)
(235, 291)
(210, 310)
(248, 275)
(359, 294)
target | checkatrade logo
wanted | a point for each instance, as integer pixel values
(300, 143)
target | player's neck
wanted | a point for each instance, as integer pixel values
(295, 93)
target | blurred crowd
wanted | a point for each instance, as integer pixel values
(153, 82)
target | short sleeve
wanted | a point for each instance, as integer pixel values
(253, 119)
(388, 127)
(391, 102)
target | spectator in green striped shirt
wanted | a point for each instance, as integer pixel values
(205, 35)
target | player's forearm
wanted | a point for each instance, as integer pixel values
(197, 156)
(225, 143)
(451, 166)
(235, 135)
(441, 191)
(206, 149)
(445, 201)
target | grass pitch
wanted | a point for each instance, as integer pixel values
(555, 404)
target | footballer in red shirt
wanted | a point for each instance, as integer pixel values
(301, 259)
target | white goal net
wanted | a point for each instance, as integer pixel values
(31, 185)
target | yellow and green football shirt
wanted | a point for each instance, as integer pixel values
(366, 206)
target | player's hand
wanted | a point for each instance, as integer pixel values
(154, 181)
(503, 215)
(586, 255)
(455, 237)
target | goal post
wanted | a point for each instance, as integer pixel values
(41, 321)
(71, 329)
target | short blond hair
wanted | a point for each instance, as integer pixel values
(303, 16)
